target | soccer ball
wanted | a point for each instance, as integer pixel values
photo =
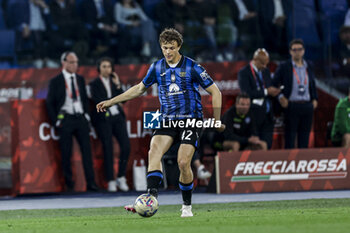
(146, 205)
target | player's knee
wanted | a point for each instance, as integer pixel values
(154, 150)
(184, 163)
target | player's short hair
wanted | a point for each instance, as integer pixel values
(242, 95)
(296, 41)
(169, 35)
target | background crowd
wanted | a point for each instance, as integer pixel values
(214, 30)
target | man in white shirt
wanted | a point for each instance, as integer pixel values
(67, 106)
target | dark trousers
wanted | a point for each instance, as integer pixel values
(298, 122)
(79, 127)
(264, 124)
(114, 125)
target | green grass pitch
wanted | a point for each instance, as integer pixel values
(316, 215)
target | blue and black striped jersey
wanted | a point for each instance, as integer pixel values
(178, 87)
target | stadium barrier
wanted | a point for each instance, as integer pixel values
(36, 166)
(20, 131)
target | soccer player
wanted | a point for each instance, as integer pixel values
(178, 78)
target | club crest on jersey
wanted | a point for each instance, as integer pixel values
(204, 75)
(182, 74)
(174, 88)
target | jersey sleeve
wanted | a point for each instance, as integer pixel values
(150, 77)
(201, 76)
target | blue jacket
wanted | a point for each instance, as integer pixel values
(284, 76)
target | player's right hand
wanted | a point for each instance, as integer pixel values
(102, 106)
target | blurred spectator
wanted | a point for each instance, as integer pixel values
(202, 27)
(341, 124)
(272, 19)
(110, 123)
(246, 19)
(240, 132)
(98, 18)
(31, 20)
(255, 79)
(70, 32)
(149, 6)
(175, 14)
(172, 13)
(226, 32)
(67, 106)
(302, 22)
(347, 17)
(298, 97)
(2, 14)
(331, 14)
(136, 27)
(344, 51)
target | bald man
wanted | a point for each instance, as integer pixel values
(255, 79)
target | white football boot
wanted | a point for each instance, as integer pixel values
(186, 211)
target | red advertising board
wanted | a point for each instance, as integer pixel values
(36, 160)
(283, 170)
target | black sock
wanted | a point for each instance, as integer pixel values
(154, 178)
(186, 190)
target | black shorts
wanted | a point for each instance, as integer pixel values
(185, 135)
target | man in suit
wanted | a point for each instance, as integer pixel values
(255, 80)
(298, 97)
(67, 106)
(110, 123)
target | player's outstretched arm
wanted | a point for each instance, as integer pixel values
(131, 93)
(214, 91)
